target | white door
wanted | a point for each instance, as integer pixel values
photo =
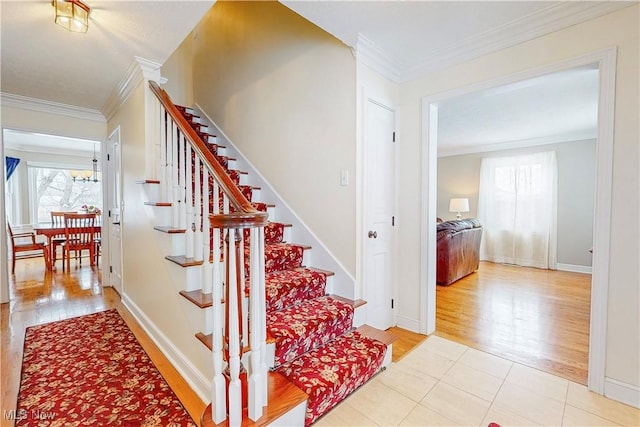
(378, 215)
(114, 212)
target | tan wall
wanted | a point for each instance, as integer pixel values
(149, 281)
(616, 29)
(52, 124)
(178, 69)
(284, 92)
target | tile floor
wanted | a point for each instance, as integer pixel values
(442, 383)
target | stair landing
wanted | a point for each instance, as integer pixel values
(284, 396)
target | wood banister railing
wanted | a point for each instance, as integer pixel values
(187, 165)
(251, 216)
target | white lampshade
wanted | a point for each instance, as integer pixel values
(459, 205)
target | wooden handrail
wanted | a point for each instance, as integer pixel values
(248, 215)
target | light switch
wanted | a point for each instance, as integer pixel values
(344, 177)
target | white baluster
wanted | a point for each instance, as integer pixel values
(233, 333)
(163, 176)
(198, 207)
(188, 212)
(217, 273)
(175, 177)
(257, 379)
(183, 181)
(218, 385)
(262, 294)
(206, 233)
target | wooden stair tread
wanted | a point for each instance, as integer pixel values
(384, 337)
(170, 230)
(355, 303)
(163, 204)
(325, 272)
(207, 339)
(199, 298)
(283, 397)
(183, 260)
(148, 181)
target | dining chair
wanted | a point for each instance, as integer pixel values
(57, 220)
(18, 244)
(79, 235)
(97, 239)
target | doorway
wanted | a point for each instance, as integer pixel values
(49, 173)
(602, 211)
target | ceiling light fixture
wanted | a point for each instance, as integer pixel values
(72, 15)
(87, 175)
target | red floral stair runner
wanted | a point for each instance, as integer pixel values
(289, 287)
(316, 348)
(307, 325)
(330, 373)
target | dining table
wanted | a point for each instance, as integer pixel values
(51, 230)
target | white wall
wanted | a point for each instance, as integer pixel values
(616, 29)
(459, 176)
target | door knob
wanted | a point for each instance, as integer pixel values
(373, 234)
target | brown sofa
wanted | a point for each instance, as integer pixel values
(458, 249)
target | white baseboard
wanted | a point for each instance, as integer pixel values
(628, 394)
(574, 268)
(408, 323)
(198, 382)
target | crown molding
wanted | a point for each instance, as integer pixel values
(550, 19)
(369, 54)
(51, 107)
(538, 24)
(444, 151)
(139, 70)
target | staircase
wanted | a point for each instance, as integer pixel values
(301, 344)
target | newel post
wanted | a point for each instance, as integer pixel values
(233, 327)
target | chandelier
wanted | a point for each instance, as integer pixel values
(87, 175)
(72, 15)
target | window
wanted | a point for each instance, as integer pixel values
(53, 189)
(517, 207)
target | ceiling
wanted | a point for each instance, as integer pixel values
(557, 107)
(400, 39)
(408, 39)
(44, 61)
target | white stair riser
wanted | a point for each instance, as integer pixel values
(388, 355)
(286, 235)
(178, 244)
(360, 316)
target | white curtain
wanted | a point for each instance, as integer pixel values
(517, 206)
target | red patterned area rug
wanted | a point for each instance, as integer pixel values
(91, 371)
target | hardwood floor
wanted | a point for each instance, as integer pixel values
(406, 342)
(38, 297)
(539, 318)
